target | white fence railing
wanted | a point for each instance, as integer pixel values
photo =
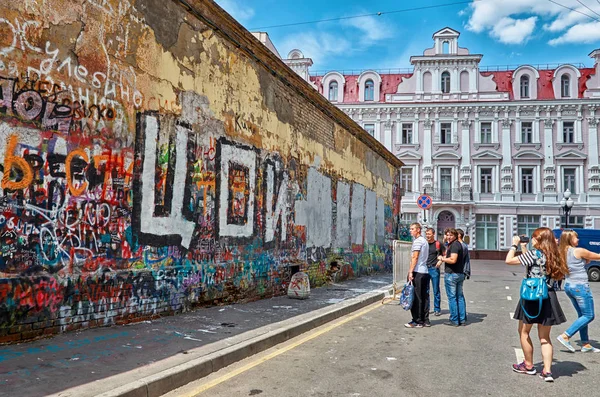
(401, 261)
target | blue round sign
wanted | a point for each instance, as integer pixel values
(424, 201)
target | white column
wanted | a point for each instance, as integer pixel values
(536, 130)
(436, 86)
(506, 142)
(419, 73)
(548, 142)
(465, 144)
(473, 81)
(427, 142)
(559, 131)
(415, 128)
(495, 138)
(578, 134)
(593, 141)
(454, 81)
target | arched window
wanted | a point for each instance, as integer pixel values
(445, 47)
(565, 86)
(445, 82)
(369, 90)
(525, 86)
(427, 79)
(333, 91)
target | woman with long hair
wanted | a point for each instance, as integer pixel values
(543, 261)
(577, 289)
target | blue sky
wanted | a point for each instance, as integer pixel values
(504, 31)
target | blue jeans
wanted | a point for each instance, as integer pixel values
(582, 299)
(434, 273)
(456, 300)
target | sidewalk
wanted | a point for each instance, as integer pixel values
(153, 357)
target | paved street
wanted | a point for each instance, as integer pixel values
(370, 353)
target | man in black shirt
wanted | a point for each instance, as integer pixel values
(454, 278)
(433, 266)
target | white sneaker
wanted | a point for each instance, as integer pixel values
(590, 350)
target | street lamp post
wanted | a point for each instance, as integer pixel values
(566, 204)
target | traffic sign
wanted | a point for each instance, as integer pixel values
(424, 201)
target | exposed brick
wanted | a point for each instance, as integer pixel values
(32, 334)
(10, 338)
(51, 330)
(43, 324)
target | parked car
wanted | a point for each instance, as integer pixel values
(590, 240)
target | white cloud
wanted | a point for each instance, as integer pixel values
(569, 18)
(514, 21)
(241, 13)
(316, 45)
(372, 29)
(582, 33)
(513, 31)
(328, 40)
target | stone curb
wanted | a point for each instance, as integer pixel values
(171, 373)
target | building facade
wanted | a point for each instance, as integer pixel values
(495, 149)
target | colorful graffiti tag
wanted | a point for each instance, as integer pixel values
(110, 213)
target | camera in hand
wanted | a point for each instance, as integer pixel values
(524, 239)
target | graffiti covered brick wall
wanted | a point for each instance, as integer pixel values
(152, 162)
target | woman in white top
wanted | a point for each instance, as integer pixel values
(577, 289)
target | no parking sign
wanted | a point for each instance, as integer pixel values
(424, 201)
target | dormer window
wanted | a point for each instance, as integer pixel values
(565, 86)
(369, 90)
(525, 86)
(445, 47)
(333, 91)
(445, 82)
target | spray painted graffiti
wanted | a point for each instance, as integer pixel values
(117, 204)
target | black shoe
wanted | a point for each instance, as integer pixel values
(427, 324)
(450, 323)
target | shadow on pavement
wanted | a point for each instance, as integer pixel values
(566, 368)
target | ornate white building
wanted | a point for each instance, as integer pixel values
(495, 149)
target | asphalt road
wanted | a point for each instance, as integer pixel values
(370, 353)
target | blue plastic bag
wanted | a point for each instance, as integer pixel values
(407, 296)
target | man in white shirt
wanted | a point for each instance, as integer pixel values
(419, 275)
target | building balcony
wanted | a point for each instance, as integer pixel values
(462, 194)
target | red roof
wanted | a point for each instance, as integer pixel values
(503, 80)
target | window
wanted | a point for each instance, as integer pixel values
(565, 86)
(486, 133)
(370, 128)
(445, 47)
(333, 91)
(445, 82)
(486, 232)
(526, 132)
(526, 224)
(406, 179)
(445, 133)
(446, 183)
(575, 221)
(527, 180)
(569, 179)
(524, 86)
(486, 180)
(369, 90)
(407, 133)
(568, 132)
